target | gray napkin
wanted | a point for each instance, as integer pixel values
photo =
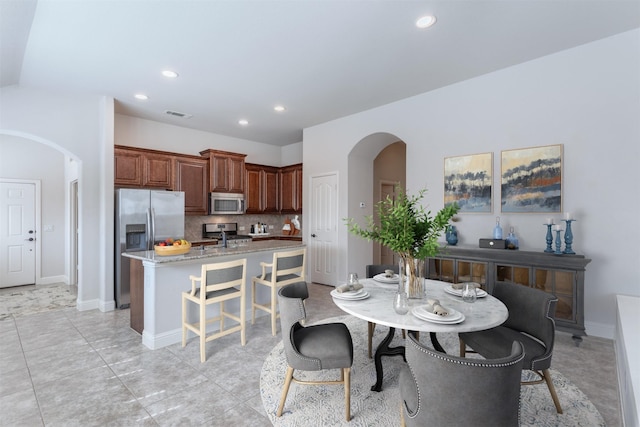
(349, 288)
(433, 305)
(459, 286)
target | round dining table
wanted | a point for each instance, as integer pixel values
(485, 313)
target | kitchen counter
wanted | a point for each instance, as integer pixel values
(276, 236)
(157, 283)
(211, 251)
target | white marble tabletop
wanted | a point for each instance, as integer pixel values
(486, 312)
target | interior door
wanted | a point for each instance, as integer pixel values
(387, 256)
(324, 229)
(17, 234)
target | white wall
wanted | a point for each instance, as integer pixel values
(39, 162)
(586, 98)
(135, 132)
(80, 127)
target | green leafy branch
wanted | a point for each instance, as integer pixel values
(405, 226)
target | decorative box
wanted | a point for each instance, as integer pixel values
(493, 243)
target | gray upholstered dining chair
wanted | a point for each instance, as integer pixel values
(531, 322)
(372, 270)
(442, 390)
(312, 348)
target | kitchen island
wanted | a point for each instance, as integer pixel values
(157, 283)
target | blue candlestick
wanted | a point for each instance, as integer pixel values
(549, 239)
(558, 243)
(568, 237)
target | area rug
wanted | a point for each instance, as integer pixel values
(21, 302)
(324, 405)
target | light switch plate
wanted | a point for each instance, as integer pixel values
(48, 227)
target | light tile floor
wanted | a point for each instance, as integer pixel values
(72, 368)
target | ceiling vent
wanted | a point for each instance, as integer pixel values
(178, 114)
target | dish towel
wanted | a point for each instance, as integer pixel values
(433, 305)
(349, 288)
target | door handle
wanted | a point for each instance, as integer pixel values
(313, 235)
(30, 239)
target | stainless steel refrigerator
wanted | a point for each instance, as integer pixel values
(143, 217)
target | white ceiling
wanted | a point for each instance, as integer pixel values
(321, 59)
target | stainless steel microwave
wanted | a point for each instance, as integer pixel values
(226, 204)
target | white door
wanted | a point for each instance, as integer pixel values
(324, 229)
(17, 234)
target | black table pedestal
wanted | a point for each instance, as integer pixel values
(384, 350)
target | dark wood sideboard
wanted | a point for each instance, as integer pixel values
(560, 275)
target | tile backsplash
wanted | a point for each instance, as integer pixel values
(193, 224)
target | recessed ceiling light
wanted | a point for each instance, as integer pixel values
(141, 96)
(426, 21)
(243, 122)
(170, 74)
(279, 108)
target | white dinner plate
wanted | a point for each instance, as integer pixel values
(434, 318)
(480, 293)
(382, 278)
(350, 296)
(423, 311)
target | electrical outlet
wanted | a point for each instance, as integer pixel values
(241, 228)
(271, 227)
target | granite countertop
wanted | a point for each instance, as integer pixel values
(214, 251)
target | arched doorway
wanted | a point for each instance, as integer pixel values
(375, 163)
(29, 157)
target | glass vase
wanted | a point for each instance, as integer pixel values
(401, 301)
(412, 277)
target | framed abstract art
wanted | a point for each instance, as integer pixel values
(532, 180)
(468, 181)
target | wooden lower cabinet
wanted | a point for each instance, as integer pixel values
(136, 290)
(560, 275)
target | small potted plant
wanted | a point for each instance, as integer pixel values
(409, 230)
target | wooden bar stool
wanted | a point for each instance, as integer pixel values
(222, 282)
(287, 267)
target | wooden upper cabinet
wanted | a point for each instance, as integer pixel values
(127, 167)
(226, 171)
(261, 189)
(291, 189)
(271, 190)
(142, 168)
(253, 188)
(157, 170)
(192, 177)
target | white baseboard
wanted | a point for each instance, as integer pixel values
(50, 280)
(175, 336)
(627, 348)
(107, 306)
(88, 305)
(600, 330)
(164, 339)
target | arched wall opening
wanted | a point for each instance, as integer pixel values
(29, 157)
(377, 159)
